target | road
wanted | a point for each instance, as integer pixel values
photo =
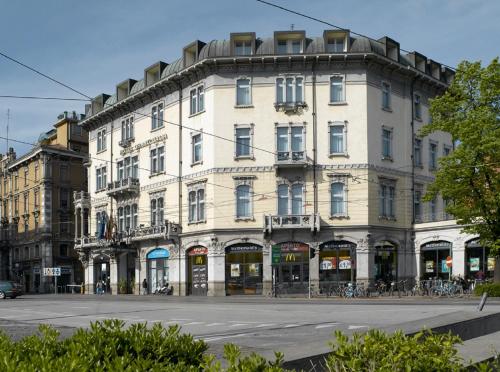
(297, 327)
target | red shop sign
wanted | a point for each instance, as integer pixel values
(197, 251)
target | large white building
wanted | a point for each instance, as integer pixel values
(248, 159)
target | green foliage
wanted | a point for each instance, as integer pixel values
(377, 351)
(122, 286)
(470, 176)
(493, 289)
(238, 363)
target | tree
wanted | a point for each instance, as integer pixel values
(469, 178)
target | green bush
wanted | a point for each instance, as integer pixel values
(493, 289)
(377, 351)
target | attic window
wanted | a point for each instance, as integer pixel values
(289, 46)
(335, 45)
(243, 47)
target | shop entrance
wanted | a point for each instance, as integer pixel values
(292, 271)
(386, 262)
(157, 266)
(337, 264)
(433, 262)
(197, 271)
(479, 264)
(102, 273)
(243, 269)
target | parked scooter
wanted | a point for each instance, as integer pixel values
(165, 290)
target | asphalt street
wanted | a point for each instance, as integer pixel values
(297, 327)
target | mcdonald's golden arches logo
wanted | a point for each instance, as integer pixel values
(290, 257)
(198, 260)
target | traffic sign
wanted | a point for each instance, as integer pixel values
(449, 261)
(275, 254)
(52, 271)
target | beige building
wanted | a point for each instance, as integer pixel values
(37, 207)
(246, 161)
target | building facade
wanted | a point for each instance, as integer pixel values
(250, 161)
(37, 207)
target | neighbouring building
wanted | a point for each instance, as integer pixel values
(37, 211)
(252, 160)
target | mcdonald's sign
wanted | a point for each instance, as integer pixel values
(198, 260)
(290, 257)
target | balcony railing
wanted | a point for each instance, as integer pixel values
(166, 231)
(291, 221)
(81, 199)
(433, 217)
(124, 186)
(90, 241)
(126, 142)
(291, 158)
(290, 106)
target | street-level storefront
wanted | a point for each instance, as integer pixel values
(102, 273)
(386, 261)
(337, 263)
(157, 266)
(243, 269)
(433, 259)
(478, 262)
(197, 271)
(291, 266)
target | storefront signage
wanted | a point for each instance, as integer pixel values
(475, 243)
(158, 253)
(293, 247)
(491, 264)
(444, 267)
(432, 246)
(243, 248)
(291, 257)
(429, 266)
(344, 263)
(328, 263)
(52, 271)
(275, 254)
(474, 263)
(235, 270)
(337, 244)
(449, 261)
(197, 251)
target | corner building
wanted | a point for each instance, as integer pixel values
(248, 159)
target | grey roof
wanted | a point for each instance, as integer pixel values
(172, 68)
(137, 87)
(365, 45)
(46, 135)
(110, 101)
(215, 48)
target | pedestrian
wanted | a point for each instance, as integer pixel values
(144, 287)
(99, 287)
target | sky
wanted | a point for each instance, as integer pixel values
(93, 45)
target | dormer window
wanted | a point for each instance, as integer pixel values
(335, 45)
(289, 46)
(242, 43)
(289, 42)
(243, 48)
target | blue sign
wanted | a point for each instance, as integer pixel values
(159, 253)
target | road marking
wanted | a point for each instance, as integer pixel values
(193, 323)
(214, 324)
(292, 325)
(80, 307)
(356, 327)
(239, 325)
(328, 325)
(211, 339)
(265, 325)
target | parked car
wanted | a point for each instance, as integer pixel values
(10, 289)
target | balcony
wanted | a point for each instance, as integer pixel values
(433, 217)
(291, 159)
(125, 187)
(81, 199)
(93, 241)
(290, 107)
(126, 142)
(297, 221)
(167, 231)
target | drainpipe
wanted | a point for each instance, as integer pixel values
(179, 183)
(315, 162)
(412, 123)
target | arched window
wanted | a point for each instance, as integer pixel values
(243, 201)
(338, 199)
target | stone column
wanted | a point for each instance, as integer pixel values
(89, 276)
(46, 285)
(82, 221)
(267, 269)
(76, 224)
(458, 254)
(365, 261)
(216, 270)
(314, 269)
(138, 275)
(113, 273)
(178, 266)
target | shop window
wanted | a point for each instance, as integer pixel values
(337, 264)
(433, 260)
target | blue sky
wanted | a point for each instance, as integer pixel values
(92, 45)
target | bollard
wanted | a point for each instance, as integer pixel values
(483, 301)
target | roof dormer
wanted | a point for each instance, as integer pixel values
(97, 103)
(123, 89)
(242, 43)
(434, 69)
(336, 41)
(419, 61)
(447, 75)
(391, 48)
(152, 74)
(289, 42)
(191, 52)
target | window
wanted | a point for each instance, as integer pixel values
(26, 176)
(64, 198)
(128, 217)
(197, 99)
(36, 200)
(16, 206)
(417, 152)
(417, 107)
(446, 150)
(338, 138)
(127, 129)
(433, 209)
(26, 205)
(135, 216)
(135, 166)
(290, 199)
(289, 46)
(76, 130)
(36, 172)
(289, 90)
(243, 48)
(387, 193)
(64, 224)
(290, 143)
(337, 89)
(157, 116)
(243, 139)
(16, 178)
(157, 159)
(63, 250)
(63, 173)
(335, 45)
(432, 155)
(417, 206)
(386, 143)
(338, 199)
(100, 178)
(101, 140)
(197, 205)
(243, 201)
(386, 96)
(197, 146)
(157, 212)
(243, 95)
(121, 219)
(97, 223)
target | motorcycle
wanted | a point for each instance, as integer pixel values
(165, 290)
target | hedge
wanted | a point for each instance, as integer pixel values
(493, 289)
